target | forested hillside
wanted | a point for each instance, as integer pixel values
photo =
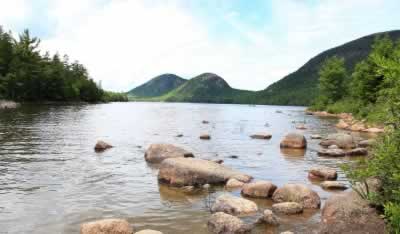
(158, 86)
(300, 87)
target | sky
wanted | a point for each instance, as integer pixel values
(251, 44)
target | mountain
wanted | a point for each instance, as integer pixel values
(207, 87)
(300, 87)
(157, 86)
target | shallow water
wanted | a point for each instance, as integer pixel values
(51, 180)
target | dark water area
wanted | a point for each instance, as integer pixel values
(51, 180)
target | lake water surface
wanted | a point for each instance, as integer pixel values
(51, 180)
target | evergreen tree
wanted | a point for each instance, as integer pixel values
(332, 76)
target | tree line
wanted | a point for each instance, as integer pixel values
(28, 75)
(372, 93)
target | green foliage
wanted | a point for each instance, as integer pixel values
(332, 76)
(115, 97)
(375, 95)
(392, 211)
(27, 75)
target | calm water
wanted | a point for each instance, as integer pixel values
(51, 180)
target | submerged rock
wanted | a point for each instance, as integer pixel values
(157, 153)
(221, 223)
(322, 173)
(349, 213)
(331, 152)
(234, 183)
(357, 152)
(316, 137)
(366, 143)
(205, 122)
(234, 205)
(288, 208)
(333, 185)
(301, 126)
(102, 146)
(269, 218)
(148, 231)
(259, 189)
(107, 226)
(297, 193)
(261, 136)
(294, 140)
(205, 137)
(191, 171)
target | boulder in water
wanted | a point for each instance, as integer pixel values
(107, 226)
(205, 137)
(347, 212)
(261, 136)
(357, 152)
(294, 141)
(234, 205)
(8, 105)
(259, 189)
(333, 185)
(221, 223)
(234, 183)
(269, 218)
(148, 231)
(342, 140)
(190, 171)
(287, 208)
(157, 153)
(102, 146)
(322, 173)
(331, 152)
(297, 193)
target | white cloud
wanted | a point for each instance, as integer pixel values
(13, 12)
(124, 43)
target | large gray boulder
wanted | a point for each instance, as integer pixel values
(107, 226)
(234, 205)
(297, 193)
(322, 173)
(294, 141)
(331, 152)
(157, 153)
(287, 208)
(221, 223)
(193, 172)
(342, 140)
(347, 212)
(259, 189)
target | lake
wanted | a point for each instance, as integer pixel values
(51, 180)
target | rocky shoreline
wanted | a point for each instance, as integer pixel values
(348, 122)
(181, 169)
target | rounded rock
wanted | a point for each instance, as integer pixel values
(259, 189)
(234, 205)
(288, 208)
(294, 141)
(297, 193)
(107, 226)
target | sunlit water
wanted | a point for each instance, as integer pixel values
(51, 180)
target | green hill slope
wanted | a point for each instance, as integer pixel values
(157, 86)
(207, 88)
(300, 87)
